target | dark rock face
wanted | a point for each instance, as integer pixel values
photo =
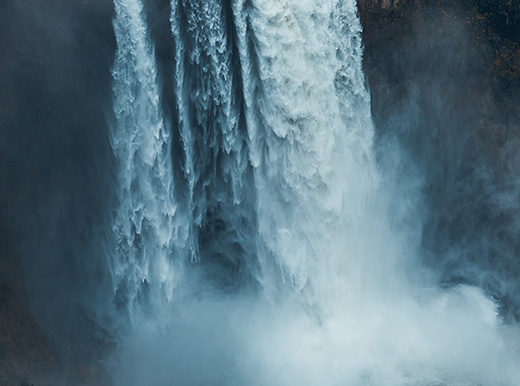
(24, 353)
(445, 85)
(494, 27)
(55, 159)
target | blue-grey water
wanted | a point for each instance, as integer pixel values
(255, 239)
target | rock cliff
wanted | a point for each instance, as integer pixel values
(445, 85)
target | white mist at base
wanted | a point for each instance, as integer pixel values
(343, 298)
(451, 338)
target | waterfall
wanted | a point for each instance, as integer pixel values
(290, 258)
(211, 123)
(310, 132)
(149, 235)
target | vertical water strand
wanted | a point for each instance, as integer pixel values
(352, 95)
(310, 134)
(148, 233)
(210, 123)
(183, 116)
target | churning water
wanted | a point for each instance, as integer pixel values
(256, 240)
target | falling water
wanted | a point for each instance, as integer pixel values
(150, 237)
(308, 116)
(292, 259)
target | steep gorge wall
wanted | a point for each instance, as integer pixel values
(445, 86)
(55, 59)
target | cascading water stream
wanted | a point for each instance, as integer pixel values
(310, 132)
(212, 129)
(274, 119)
(149, 235)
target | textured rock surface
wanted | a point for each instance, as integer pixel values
(24, 354)
(445, 86)
(494, 26)
(55, 59)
